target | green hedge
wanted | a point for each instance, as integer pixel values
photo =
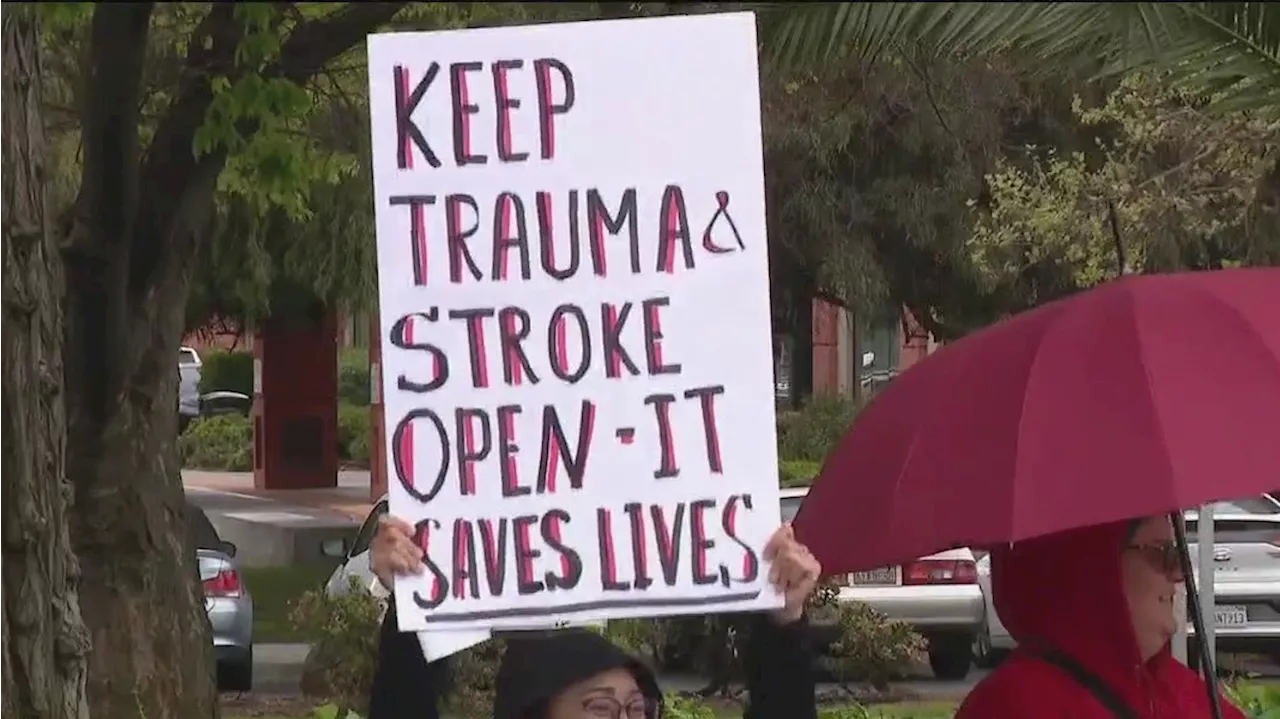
(804, 436)
(797, 472)
(233, 371)
(225, 442)
(343, 632)
(227, 372)
(809, 433)
(354, 429)
(353, 377)
(222, 442)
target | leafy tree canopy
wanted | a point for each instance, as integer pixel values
(293, 219)
(871, 170)
(1168, 187)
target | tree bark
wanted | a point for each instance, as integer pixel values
(45, 641)
(129, 249)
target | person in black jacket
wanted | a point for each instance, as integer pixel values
(579, 674)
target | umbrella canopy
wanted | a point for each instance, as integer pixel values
(1143, 396)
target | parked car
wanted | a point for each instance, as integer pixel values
(938, 595)
(353, 556)
(227, 602)
(1246, 582)
(225, 402)
(189, 368)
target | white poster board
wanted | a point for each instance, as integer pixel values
(573, 287)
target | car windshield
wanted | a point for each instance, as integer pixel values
(364, 537)
(203, 534)
(790, 505)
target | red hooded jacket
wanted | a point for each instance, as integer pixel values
(1064, 592)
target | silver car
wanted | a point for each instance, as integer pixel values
(189, 370)
(938, 595)
(226, 601)
(1246, 582)
(354, 556)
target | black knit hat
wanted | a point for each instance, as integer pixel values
(536, 667)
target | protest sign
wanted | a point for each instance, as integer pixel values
(573, 289)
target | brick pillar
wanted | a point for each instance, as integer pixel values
(295, 404)
(826, 348)
(377, 414)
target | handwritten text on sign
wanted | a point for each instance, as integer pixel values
(574, 301)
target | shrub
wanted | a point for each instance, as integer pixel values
(473, 675)
(797, 472)
(344, 631)
(810, 432)
(354, 377)
(1258, 701)
(680, 707)
(227, 371)
(354, 430)
(643, 638)
(222, 442)
(869, 646)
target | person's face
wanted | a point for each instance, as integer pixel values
(1151, 574)
(609, 695)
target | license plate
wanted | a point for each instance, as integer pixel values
(1230, 616)
(881, 576)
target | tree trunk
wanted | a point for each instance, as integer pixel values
(153, 655)
(129, 255)
(45, 641)
(127, 268)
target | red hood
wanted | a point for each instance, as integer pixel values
(1064, 590)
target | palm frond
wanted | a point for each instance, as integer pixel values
(1229, 50)
(819, 33)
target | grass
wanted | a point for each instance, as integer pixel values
(905, 710)
(914, 710)
(275, 590)
(932, 709)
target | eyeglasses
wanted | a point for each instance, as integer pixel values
(1163, 557)
(610, 708)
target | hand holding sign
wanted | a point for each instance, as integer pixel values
(794, 573)
(392, 552)
(794, 570)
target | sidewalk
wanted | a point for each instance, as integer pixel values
(280, 527)
(350, 497)
(277, 668)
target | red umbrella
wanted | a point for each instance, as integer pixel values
(1144, 396)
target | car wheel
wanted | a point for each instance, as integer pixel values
(236, 676)
(951, 658)
(984, 655)
(982, 649)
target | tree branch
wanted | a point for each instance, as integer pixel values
(171, 171)
(171, 164)
(179, 186)
(312, 45)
